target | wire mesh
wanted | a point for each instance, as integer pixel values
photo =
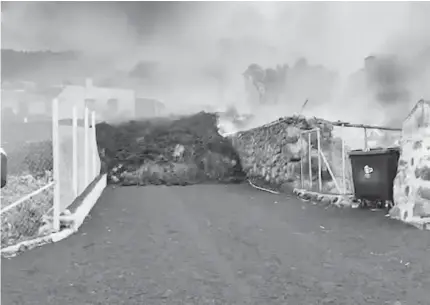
(334, 168)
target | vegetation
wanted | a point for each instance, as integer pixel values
(28, 219)
(269, 83)
(296, 83)
(29, 169)
(33, 158)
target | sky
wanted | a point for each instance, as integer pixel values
(192, 36)
(338, 34)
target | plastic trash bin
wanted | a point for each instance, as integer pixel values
(373, 173)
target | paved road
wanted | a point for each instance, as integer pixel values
(217, 244)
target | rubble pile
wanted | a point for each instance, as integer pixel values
(170, 151)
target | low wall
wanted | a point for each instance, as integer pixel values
(273, 152)
(70, 223)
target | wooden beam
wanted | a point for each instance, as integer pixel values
(346, 124)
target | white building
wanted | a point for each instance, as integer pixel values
(109, 103)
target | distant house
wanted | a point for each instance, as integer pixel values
(149, 107)
(108, 103)
(27, 103)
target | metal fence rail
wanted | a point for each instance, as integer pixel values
(341, 183)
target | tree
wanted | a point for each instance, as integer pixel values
(269, 83)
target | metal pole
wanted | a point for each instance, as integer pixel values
(301, 163)
(94, 144)
(310, 161)
(319, 161)
(75, 151)
(86, 149)
(330, 172)
(56, 165)
(343, 160)
(365, 139)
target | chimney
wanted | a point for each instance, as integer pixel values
(369, 61)
(88, 82)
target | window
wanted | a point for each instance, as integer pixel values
(112, 105)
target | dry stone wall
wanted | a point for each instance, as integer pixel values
(412, 183)
(273, 152)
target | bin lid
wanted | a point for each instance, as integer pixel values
(374, 151)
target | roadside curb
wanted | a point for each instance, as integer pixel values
(332, 199)
(76, 219)
(73, 221)
(422, 224)
(347, 201)
(419, 223)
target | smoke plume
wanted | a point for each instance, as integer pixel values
(200, 49)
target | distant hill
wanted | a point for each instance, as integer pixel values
(47, 67)
(34, 66)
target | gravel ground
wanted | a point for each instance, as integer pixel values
(223, 244)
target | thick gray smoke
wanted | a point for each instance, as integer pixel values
(202, 48)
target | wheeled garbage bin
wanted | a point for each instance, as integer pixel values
(373, 173)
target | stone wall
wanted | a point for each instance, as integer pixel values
(273, 152)
(412, 183)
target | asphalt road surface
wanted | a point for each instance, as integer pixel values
(223, 244)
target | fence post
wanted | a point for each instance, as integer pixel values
(302, 154)
(319, 160)
(365, 139)
(56, 165)
(86, 148)
(310, 160)
(75, 151)
(343, 159)
(94, 144)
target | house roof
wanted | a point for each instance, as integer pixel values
(50, 91)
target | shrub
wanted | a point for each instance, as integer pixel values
(34, 158)
(26, 220)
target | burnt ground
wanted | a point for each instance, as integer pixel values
(223, 244)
